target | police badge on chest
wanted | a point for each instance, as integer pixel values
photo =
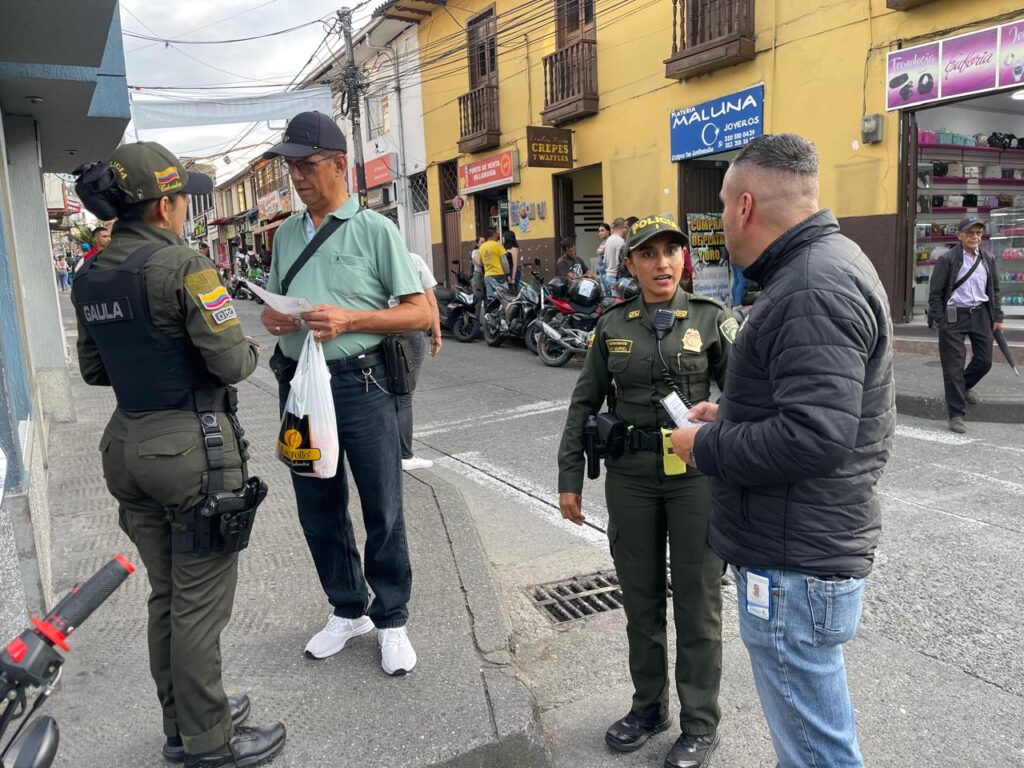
(109, 311)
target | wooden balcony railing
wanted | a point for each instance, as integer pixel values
(709, 35)
(478, 119)
(570, 83)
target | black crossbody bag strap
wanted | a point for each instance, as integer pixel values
(327, 229)
(967, 277)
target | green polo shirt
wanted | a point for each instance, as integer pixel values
(359, 267)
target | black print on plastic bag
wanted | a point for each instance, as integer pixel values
(293, 443)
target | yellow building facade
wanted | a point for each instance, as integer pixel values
(614, 72)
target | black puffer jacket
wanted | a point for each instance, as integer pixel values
(807, 419)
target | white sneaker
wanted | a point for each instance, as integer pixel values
(397, 656)
(416, 463)
(333, 637)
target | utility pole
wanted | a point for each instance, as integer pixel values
(353, 83)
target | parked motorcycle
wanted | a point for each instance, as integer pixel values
(508, 314)
(576, 308)
(457, 307)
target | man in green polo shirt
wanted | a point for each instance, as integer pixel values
(348, 280)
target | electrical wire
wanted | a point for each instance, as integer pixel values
(209, 24)
(167, 41)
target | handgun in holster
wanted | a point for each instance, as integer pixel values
(221, 522)
(604, 436)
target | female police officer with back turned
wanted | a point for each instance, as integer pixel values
(155, 324)
(663, 342)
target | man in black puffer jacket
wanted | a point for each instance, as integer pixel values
(797, 445)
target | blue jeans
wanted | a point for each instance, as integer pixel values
(493, 284)
(799, 669)
(368, 436)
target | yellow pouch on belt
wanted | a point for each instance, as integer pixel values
(671, 464)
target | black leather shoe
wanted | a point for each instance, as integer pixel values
(238, 704)
(632, 732)
(247, 748)
(692, 751)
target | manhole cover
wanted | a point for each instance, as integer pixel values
(578, 597)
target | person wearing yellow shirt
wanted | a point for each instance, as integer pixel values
(491, 253)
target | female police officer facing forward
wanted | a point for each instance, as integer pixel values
(155, 324)
(651, 493)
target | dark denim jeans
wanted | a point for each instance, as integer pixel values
(368, 433)
(418, 341)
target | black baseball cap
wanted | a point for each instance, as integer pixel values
(308, 133)
(969, 221)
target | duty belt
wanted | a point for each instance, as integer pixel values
(367, 359)
(643, 440)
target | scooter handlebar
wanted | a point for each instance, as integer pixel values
(82, 600)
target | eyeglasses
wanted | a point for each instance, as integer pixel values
(304, 167)
(973, 233)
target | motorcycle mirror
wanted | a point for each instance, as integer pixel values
(536, 262)
(456, 262)
(36, 747)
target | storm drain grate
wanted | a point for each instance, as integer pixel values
(578, 597)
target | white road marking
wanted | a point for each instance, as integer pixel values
(1007, 485)
(523, 492)
(495, 417)
(933, 435)
(901, 500)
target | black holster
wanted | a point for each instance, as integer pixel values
(398, 364)
(604, 436)
(221, 523)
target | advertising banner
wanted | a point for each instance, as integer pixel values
(548, 147)
(913, 75)
(977, 62)
(1011, 55)
(719, 125)
(712, 271)
(969, 63)
(495, 171)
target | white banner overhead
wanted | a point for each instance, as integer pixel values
(244, 109)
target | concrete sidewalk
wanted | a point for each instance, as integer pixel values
(462, 706)
(919, 390)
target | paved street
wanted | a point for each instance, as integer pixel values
(936, 673)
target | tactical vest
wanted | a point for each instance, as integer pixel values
(149, 370)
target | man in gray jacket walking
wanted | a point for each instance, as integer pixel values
(796, 446)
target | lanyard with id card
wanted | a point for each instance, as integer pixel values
(759, 595)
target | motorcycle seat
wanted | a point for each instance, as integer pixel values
(443, 294)
(507, 294)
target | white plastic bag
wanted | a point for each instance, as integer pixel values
(308, 440)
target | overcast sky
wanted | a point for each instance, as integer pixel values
(273, 59)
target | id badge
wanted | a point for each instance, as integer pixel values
(759, 595)
(950, 314)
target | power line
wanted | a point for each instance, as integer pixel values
(167, 41)
(209, 24)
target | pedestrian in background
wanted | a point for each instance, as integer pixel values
(615, 250)
(169, 354)
(360, 263)
(515, 268)
(61, 266)
(477, 279)
(491, 257)
(569, 265)
(797, 445)
(418, 342)
(627, 225)
(964, 302)
(651, 495)
(100, 240)
(604, 231)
